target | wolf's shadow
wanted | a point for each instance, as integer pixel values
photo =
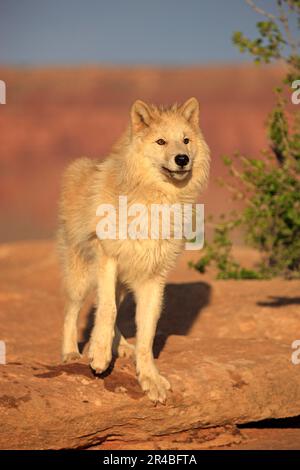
(182, 305)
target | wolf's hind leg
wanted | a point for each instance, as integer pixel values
(77, 285)
(70, 351)
(121, 347)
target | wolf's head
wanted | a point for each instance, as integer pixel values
(169, 141)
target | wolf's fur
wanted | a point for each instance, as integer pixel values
(134, 169)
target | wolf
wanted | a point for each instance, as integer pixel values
(161, 158)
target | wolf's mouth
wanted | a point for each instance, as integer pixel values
(175, 173)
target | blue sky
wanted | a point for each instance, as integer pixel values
(163, 32)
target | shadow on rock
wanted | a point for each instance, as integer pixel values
(280, 301)
(182, 305)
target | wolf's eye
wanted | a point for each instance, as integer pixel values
(161, 142)
(186, 140)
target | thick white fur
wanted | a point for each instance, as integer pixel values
(134, 169)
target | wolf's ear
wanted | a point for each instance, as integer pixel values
(190, 110)
(140, 115)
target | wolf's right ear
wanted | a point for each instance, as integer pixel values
(190, 110)
(140, 115)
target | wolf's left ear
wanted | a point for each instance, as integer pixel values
(140, 115)
(190, 110)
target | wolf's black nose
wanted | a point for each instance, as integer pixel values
(181, 160)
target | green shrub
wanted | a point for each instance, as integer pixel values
(270, 184)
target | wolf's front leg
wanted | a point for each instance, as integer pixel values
(100, 351)
(149, 300)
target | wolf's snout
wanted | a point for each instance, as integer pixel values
(182, 160)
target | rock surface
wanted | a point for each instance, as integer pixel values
(224, 345)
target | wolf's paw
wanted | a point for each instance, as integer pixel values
(125, 350)
(71, 357)
(155, 386)
(100, 358)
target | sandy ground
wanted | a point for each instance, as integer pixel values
(256, 320)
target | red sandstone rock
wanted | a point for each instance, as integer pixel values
(225, 346)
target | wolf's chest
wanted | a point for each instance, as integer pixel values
(142, 259)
